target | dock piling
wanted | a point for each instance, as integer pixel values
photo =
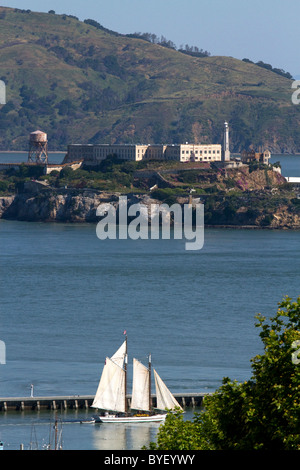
(83, 401)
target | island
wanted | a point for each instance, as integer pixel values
(253, 195)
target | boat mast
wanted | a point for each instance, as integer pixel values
(125, 369)
(149, 367)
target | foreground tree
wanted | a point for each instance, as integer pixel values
(262, 413)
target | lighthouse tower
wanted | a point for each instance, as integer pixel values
(226, 151)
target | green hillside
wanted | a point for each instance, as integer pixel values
(82, 84)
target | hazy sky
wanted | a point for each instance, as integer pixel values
(265, 30)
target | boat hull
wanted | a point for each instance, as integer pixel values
(158, 418)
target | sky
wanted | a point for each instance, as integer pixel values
(266, 30)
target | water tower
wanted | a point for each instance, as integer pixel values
(38, 150)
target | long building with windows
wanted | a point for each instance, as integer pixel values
(94, 154)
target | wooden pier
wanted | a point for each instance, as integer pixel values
(75, 402)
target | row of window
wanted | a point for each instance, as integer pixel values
(200, 151)
(200, 159)
(131, 154)
(101, 152)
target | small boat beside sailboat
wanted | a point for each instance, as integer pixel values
(111, 398)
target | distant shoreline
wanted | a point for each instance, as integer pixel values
(25, 151)
(65, 151)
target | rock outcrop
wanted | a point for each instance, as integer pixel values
(65, 206)
(234, 198)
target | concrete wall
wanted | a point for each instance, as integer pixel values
(53, 167)
(94, 154)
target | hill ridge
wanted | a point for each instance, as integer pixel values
(83, 84)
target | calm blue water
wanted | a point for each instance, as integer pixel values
(18, 157)
(290, 164)
(66, 298)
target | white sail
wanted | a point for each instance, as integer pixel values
(110, 394)
(140, 387)
(165, 399)
(119, 356)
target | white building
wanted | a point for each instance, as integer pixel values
(94, 154)
(194, 152)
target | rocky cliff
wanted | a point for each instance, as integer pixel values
(255, 209)
(238, 197)
(67, 206)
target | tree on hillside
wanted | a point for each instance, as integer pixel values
(261, 413)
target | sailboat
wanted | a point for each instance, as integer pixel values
(111, 399)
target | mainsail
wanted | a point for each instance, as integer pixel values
(165, 399)
(140, 387)
(110, 394)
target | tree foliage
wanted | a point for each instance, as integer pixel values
(262, 64)
(259, 414)
(163, 41)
